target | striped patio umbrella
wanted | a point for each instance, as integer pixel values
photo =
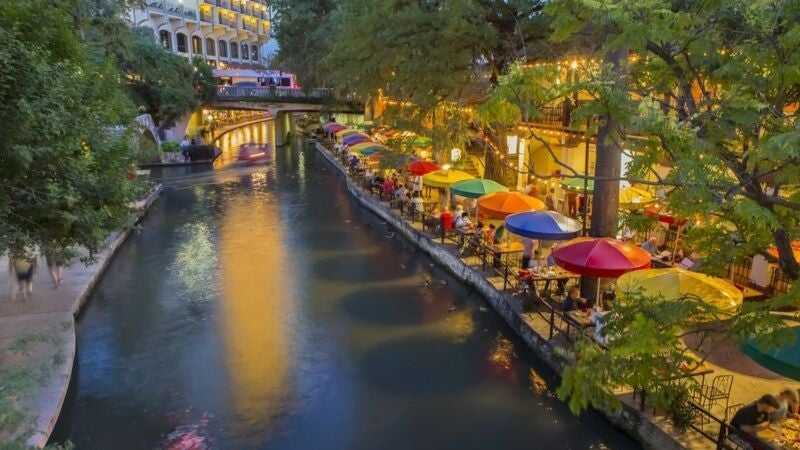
(346, 132)
(333, 127)
(354, 139)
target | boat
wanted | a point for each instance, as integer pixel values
(254, 153)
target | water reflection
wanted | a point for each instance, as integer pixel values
(317, 329)
(256, 318)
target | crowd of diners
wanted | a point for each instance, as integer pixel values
(443, 215)
(767, 412)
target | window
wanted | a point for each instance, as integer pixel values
(234, 50)
(197, 45)
(245, 51)
(223, 49)
(181, 38)
(210, 48)
(254, 53)
(165, 39)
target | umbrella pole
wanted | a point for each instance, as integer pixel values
(677, 240)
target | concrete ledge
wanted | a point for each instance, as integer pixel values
(628, 419)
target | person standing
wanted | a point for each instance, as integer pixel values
(527, 252)
(185, 148)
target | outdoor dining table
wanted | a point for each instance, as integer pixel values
(786, 435)
(542, 279)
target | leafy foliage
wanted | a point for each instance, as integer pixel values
(65, 160)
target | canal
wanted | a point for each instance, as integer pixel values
(261, 308)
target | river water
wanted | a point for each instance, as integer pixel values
(261, 308)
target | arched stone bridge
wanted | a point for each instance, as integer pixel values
(281, 102)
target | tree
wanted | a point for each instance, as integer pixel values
(165, 85)
(65, 160)
(709, 90)
(304, 31)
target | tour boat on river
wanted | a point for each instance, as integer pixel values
(255, 153)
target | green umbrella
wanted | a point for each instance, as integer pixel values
(477, 187)
(576, 184)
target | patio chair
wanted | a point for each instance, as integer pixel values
(716, 394)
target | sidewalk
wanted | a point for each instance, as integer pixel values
(37, 338)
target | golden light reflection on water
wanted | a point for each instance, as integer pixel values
(255, 316)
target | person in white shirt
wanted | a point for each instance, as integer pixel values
(463, 224)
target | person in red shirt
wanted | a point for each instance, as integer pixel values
(446, 220)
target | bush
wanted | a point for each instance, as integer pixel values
(170, 147)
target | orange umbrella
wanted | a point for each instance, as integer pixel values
(795, 249)
(501, 204)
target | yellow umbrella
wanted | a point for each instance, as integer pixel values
(633, 197)
(346, 132)
(675, 282)
(445, 178)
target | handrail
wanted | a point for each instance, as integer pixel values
(272, 92)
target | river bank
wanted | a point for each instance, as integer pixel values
(652, 432)
(37, 336)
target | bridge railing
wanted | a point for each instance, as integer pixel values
(272, 93)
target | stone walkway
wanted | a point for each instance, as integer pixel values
(37, 338)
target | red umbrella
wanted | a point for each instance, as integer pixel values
(663, 215)
(600, 257)
(422, 167)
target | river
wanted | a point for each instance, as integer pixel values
(261, 308)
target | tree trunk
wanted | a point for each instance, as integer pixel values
(786, 260)
(605, 200)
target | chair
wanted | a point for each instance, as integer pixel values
(716, 394)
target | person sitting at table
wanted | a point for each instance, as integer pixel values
(488, 233)
(651, 246)
(752, 418)
(789, 406)
(499, 235)
(463, 224)
(574, 301)
(597, 318)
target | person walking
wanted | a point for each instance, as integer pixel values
(55, 258)
(21, 268)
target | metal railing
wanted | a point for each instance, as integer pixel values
(224, 20)
(172, 8)
(276, 93)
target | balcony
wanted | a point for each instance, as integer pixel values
(206, 15)
(172, 8)
(249, 26)
(235, 6)
(228, 20)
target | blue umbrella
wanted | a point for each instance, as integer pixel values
(544, 225)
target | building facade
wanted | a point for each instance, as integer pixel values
(226, 33)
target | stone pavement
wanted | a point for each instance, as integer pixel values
(37, 337)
